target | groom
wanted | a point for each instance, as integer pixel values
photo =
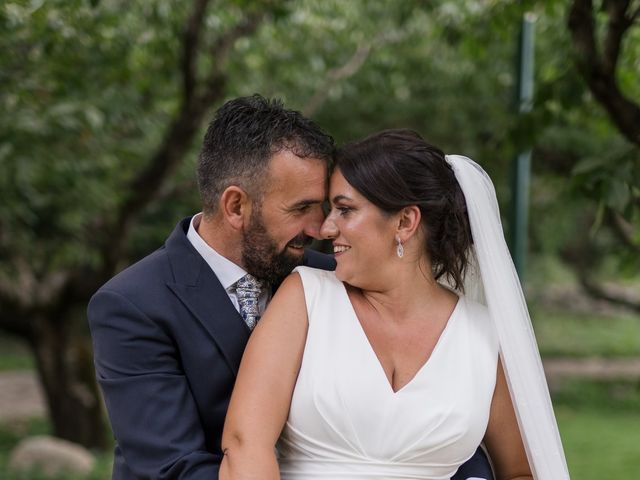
(169, 331)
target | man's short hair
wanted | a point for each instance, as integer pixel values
(241, 139)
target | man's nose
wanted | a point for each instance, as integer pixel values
(314, 223)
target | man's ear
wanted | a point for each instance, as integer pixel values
(235, 206)
(408, 222)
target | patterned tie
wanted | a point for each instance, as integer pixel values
(248, 291)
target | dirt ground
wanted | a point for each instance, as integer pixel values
(21, 396)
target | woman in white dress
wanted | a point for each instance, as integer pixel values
(391, 367)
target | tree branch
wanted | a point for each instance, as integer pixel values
(582, 27)
(214, 84)
(582, 256)
(26, 290)
(16, 300)
(245, 27)
(623, 230)
(598, 291)
(190, 44)
(617, 26)
(334, 76)
(178, 190)
(14, 324)
(598, 72)
(346, 70)
(197, 97)
(12, 319)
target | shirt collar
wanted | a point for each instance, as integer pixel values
(227, 272)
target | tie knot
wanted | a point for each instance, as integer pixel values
(249, 283)
(248, 290)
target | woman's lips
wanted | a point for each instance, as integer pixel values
(339, 249)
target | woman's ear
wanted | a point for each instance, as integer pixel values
(408, 222)
(235, 206)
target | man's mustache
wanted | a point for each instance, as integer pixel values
(300, 241)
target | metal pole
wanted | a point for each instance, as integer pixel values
(521, 170)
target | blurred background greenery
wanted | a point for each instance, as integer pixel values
(103, 104)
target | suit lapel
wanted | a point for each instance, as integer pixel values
(199, 290)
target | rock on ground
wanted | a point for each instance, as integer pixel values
(51, 456)
(21, 396)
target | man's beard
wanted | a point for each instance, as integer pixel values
(260, 255)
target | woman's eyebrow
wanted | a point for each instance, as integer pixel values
(337, 198)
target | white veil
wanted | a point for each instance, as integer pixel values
(493, 281)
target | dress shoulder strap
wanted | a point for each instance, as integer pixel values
(320, 290)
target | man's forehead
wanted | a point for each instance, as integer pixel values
(288, 160)
(291, 171)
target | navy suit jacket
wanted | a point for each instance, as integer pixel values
(167, 346)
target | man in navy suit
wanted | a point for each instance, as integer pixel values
(168, 333)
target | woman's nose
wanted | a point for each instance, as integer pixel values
(328, 229)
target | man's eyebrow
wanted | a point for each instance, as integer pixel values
(305, 203)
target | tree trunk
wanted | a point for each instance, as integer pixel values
(64, 358)
(65, 368)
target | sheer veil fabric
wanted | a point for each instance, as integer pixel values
(493, 281)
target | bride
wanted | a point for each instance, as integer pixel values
(415, 350)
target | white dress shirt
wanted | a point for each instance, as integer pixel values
(228, 273)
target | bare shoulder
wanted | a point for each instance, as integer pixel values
(302, 292)
(305, 282)
(290, 290)
(288, 303)
(281, 332)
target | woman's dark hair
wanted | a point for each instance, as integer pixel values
(394, 169)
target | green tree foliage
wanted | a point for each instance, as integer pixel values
(103, 103)
(589, 122)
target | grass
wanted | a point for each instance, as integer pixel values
(14, 355)
(600, 444)
(599, 423)
(567, 334)
(599, 395)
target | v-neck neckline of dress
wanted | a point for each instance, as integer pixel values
(427, 362)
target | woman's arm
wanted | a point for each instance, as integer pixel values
(262, 394)
(503, 439)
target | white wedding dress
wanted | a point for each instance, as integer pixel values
(346, 422)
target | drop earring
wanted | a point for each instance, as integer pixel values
(399, 248)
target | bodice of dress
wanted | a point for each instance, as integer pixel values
(346, 422)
